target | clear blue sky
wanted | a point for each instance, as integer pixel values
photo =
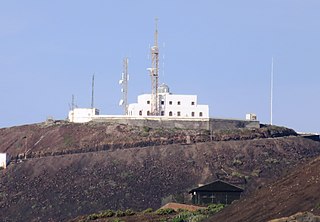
(219, 50)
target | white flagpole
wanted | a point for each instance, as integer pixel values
(271, 102)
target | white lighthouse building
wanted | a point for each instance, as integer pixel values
(170, 105)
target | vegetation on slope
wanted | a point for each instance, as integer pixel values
(163, 215)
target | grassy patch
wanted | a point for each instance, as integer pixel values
(147, 211)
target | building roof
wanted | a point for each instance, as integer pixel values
(218, 186)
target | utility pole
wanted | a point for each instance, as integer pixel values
(92, 94)
(154, 73)
(271, 96)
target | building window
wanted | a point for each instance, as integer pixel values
(162, 113)
(148, 113)
(192, 103)
(178, 113)
(192, 114)
(170, 113)
(170, 102)
(200, 114)
(162, 102)
(140, 112)
(179, 103)
(148, 102)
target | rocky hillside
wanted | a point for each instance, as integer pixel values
(78, 169)
(297, 191)
(57, 138)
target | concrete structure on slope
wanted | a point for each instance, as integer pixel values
(170, 105)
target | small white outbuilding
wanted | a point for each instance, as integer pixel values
(82, 115)
(4, 160)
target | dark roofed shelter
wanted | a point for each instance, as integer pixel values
(215, 193)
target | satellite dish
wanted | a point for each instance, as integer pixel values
(122, 90)
(120, 81)
(121, 102)
(128, 77)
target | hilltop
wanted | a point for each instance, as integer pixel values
(78, 169)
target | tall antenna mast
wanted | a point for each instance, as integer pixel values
(92, 95)
(124, 82)
(271, 102)
(154, 73)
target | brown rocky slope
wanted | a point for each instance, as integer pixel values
(77, 169)
(297, 191)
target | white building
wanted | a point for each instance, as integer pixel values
(251, 117)
(82, 115)
(4, 160)
(170, 105)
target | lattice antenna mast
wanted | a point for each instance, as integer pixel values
(154, 73)
(124, 86)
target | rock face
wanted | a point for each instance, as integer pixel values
(77, 169)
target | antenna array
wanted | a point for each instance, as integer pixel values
(124, 86)
(154, 73)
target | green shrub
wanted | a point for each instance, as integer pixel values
(165, 211)
(236, 174)
(197, 218)
(147, 211)
(176, 219)
(182, 217)
(107, 213)
(237, 162)
(129, 212)
(215, 208)
(93, 216)
(120, 213)
(256, 173)
(117, 220)
(146, 129)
